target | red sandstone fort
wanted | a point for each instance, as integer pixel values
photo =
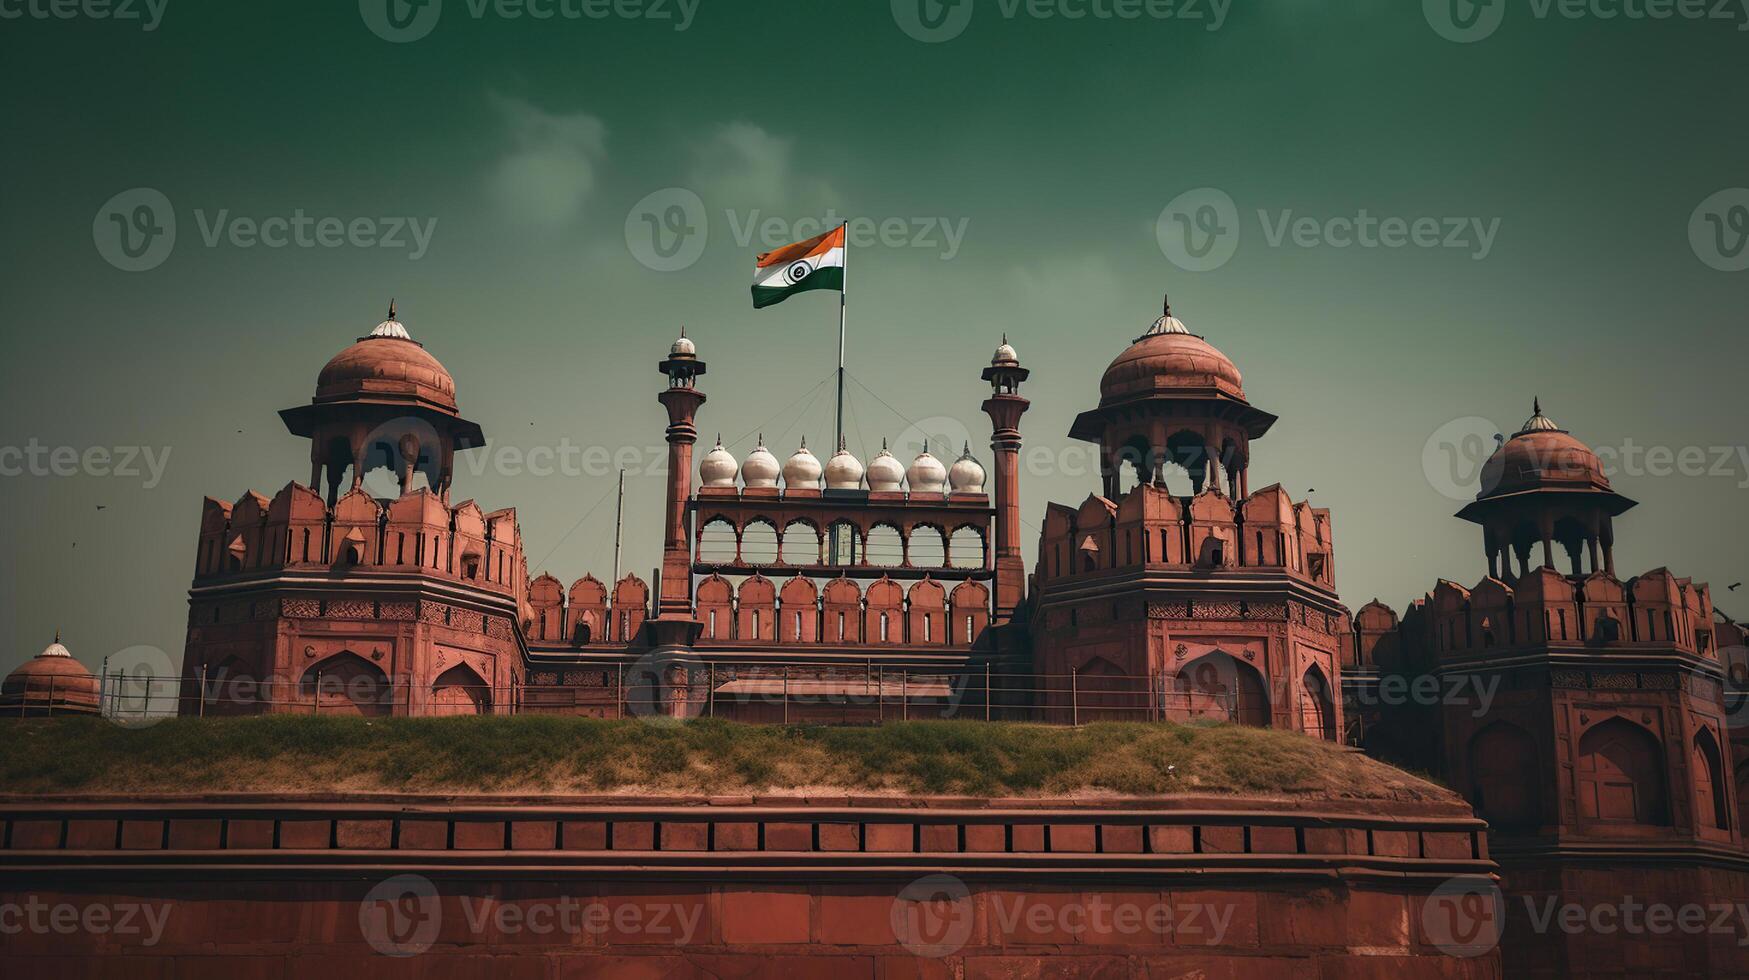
(852, 591)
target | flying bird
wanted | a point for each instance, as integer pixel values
(1733, 588)
(102, 506)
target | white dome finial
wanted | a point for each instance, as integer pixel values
(1167, 322)
(391, 327)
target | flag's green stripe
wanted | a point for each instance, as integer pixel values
(831, 277)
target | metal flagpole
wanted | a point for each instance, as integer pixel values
(843, 284)
(619, 517)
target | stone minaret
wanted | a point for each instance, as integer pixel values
(1005, 407)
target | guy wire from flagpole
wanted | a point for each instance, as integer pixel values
(843, 284)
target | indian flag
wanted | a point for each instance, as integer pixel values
(817, 263)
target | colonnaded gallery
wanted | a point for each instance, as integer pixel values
(793, 588)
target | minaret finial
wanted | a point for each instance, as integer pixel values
(1536, 405)
(391, 307)
(841, 442)
(57, 634)
(683, 330)
(1165, 304)
(804, 442)
(1004, 337)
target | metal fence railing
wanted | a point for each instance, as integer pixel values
(774, 692)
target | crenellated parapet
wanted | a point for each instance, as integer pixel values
(586, 614)
(415, 533)
(799, 613)
(1543, 608)
(1148, 527)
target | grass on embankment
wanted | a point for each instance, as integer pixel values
(546, 754)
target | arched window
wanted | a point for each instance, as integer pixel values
(885, 546)
(928, 549)
(1709, 782)
(801, 544)
(716, 542)
(759, 544)
(966, 548)
(1621, 775)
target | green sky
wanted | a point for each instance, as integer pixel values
(1053, 143)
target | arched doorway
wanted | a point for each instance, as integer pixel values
(1317, 708)
(1503, 777)
(1621, 775)
(347, 684)
(1710, 806)
(460, 691)
(1219, 686)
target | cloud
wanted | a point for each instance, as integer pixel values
(742, 166)
(548, 173)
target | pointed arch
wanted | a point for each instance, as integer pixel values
(1710, 806)
(346, 683)
(1317, 707)
(1219, 685)
(800, 614)
(460, 690)
(1621, 775)
(715, 600)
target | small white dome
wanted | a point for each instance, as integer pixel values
(391, 327)
(967, 474)
(926, 475)
(718, 467)
(683, 346)
(55, 649)
(1538, 422)
(843, 471)
(1005, 355)
(760, 469)
(884, 472)
(802, 470)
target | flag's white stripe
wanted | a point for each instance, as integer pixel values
(774, 276)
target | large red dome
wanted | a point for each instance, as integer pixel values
(1167, 358)
(388, 363)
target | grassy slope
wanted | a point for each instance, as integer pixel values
(541, 754)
